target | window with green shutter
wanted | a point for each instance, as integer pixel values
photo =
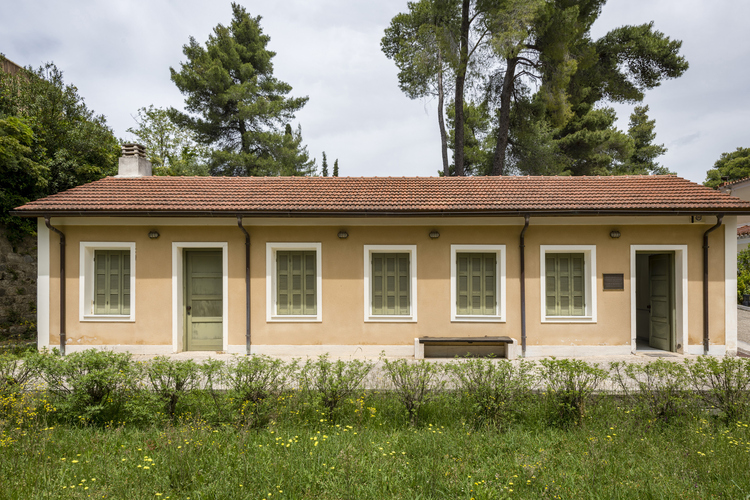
(476, 284)
(390, 281)
(296, 283)
(112, 282)
(565, 284)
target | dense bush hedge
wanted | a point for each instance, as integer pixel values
(102, 388)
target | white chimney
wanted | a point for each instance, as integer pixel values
(134, 162)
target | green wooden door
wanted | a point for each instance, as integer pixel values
(661, 302)
(203, 301)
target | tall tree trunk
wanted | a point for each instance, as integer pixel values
(441, 120)
(458, 154)
(498, 161)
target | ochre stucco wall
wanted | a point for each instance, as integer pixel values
(343, 290)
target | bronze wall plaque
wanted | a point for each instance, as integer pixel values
(614, 281)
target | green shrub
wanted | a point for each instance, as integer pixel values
(492, 390)
(659, 389)
(90, 386)
(171, 379)
(334, 381)
(723, 384)
(571, 385)
(15, 372)
(214, 373)
(255, 382)
(414, 383)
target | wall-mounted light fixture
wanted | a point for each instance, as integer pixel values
(434, 234)
(614, 234)
(153, 234)
(343, 234)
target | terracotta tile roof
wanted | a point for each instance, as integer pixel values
(385, 195)
(743, 231)
(731, 183)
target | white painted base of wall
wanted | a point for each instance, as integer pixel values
(575, 351)
(392, 351)
(335, 351)
(156, 350)
(713, 350)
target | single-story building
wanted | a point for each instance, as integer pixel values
(358, 266)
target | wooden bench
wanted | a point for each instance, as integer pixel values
(481, 346)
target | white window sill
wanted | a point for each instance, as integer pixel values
(96, 318)
(390, 319)
(569, 319)
(478, 319)
(294, 319)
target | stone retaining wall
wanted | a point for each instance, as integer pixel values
(18, 273)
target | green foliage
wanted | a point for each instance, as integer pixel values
(171, 379)
(478, 138)
(16, 372)
(336, 167)
(592, 143)
(743, 273)
(494, 390)
(334, 381)
(414, 383)
(22, 178)
(324, 166)
(723, 384)
(658, 390)
(734, 166)
(236, 105)
(254, 383)
(91, 387)
(49, 141)
(645, 152)
(172, 150)
(571, 387)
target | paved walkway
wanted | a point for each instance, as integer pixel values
(743, 330)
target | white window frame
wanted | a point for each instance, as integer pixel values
(403, 318)
(589, 252)
(271, 285)
(86, 281)
(499, 251)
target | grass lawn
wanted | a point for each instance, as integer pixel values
(620, 458)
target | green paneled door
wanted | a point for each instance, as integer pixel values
(203, 300)
(661, 302)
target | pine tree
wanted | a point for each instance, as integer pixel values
(324, 167)
(641, 130)
(234, 103)
(336, 168)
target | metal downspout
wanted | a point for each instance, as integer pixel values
(705, 282)
(247, 285)
(523, 287)
(62, 283)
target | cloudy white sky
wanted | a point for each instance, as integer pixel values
(118, 54)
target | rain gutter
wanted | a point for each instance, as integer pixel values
(705, 281)
(62, 282)
(247, 285)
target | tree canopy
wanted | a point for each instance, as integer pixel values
(542, 78)
(729, 167)
(235, 105)
(172, 150)
(49, 141)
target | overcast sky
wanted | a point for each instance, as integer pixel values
(118, 54)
